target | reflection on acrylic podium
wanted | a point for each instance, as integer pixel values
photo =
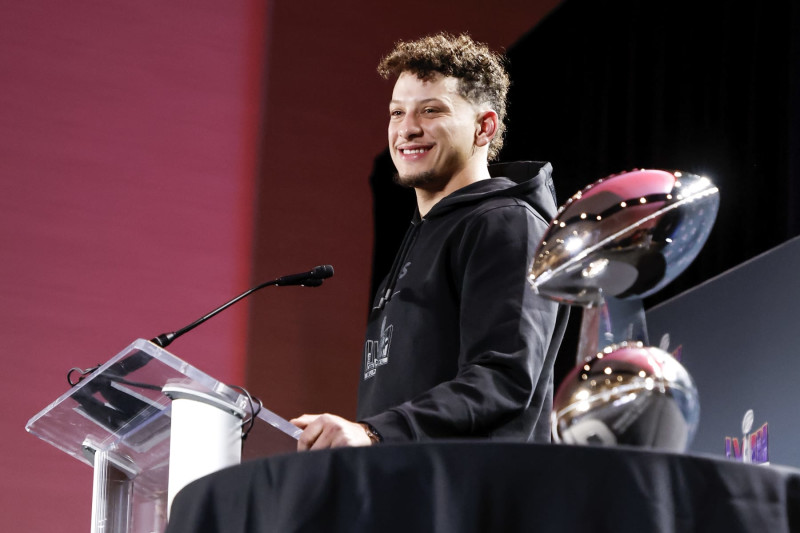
(150, 423)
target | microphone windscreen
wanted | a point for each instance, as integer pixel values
(322, 272)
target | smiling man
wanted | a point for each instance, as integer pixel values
(457, 345)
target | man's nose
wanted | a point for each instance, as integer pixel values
(410, 127)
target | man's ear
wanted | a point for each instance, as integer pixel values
(486, 127)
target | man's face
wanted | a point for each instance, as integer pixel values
(432, 130)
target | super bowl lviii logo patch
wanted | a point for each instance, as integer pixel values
(754, 447)
(376, 352)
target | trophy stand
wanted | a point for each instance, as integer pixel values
(150, 423)
(610, 321)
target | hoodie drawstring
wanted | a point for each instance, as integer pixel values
(399, 260)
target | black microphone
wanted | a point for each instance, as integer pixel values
(316, 274)
(312, 278)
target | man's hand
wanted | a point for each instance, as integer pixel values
(329, 431)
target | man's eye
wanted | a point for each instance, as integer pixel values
(430, 110)
(395, 113)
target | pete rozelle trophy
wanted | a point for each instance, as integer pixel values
(615, 242)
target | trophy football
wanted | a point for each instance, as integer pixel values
(615, 242)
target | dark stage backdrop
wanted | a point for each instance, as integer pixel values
(604, 86)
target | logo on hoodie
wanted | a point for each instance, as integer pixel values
(404, 271)
(376, 353)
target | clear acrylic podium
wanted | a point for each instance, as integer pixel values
(150, 423)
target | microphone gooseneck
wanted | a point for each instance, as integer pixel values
(312, 278)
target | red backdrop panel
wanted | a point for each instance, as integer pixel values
(127, 141)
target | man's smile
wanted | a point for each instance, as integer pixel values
(411, 152)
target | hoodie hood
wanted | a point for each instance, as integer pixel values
(530, 181)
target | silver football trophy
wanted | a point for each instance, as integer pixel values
(612, 244)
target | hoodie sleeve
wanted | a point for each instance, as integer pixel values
(504, 377)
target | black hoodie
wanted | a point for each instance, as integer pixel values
(457, 343)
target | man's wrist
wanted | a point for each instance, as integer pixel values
(372, 433)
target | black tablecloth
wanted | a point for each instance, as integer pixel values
(490, 487)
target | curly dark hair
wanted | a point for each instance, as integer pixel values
(481, 73)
